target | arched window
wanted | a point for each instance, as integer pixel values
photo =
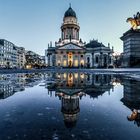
(97, 59)
(110, 60)
(88, 60)
(105, 59)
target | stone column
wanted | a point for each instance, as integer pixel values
(92, 60)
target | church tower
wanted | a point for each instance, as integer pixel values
(70, 27)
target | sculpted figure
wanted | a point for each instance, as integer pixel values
(135, 21)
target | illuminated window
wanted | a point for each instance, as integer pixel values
(76, 63)
(58, 63)
(82, 76)
(76, 75)
(64, 63)
(65, 75)
(82, 62)
(58, 75)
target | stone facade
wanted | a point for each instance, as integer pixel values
(21, 57)
(70, 51)
(131, 48)
(11, 56)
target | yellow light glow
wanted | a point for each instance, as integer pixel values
(64, 63)
(28, 66)
(82, 76)
(70, 80)
(65, 75)
(58, 75)
(58, 62)
(82, 62)
(76, 75)
(76, 63)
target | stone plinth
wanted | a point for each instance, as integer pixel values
(131, 48)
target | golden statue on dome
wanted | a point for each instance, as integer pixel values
(135, 21)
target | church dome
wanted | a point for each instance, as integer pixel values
(70, 13)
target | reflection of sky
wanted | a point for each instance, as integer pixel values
(34, 23)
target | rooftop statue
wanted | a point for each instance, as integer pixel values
(135, 21)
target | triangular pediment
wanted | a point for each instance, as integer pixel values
(70, 46)
(70, 91)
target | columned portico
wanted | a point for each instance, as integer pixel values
(71, 58)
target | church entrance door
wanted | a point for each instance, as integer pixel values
(70, 59)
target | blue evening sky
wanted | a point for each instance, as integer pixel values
(34, 23)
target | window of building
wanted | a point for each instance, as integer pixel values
(97, 78)
(76, 63)
(105, 59)
(88, 60)
(82, 63)
(64, 63)
(110, 60)
(97, 59)
(88, 77)
(58, 63)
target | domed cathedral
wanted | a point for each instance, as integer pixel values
(70, 51)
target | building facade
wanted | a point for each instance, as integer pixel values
(8, 54)
(11, 56)
(70, 51)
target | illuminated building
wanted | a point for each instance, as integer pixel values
(70, 51)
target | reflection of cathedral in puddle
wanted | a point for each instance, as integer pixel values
(70, 108)
(131, 99)
(71, 87)
(70, 93)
